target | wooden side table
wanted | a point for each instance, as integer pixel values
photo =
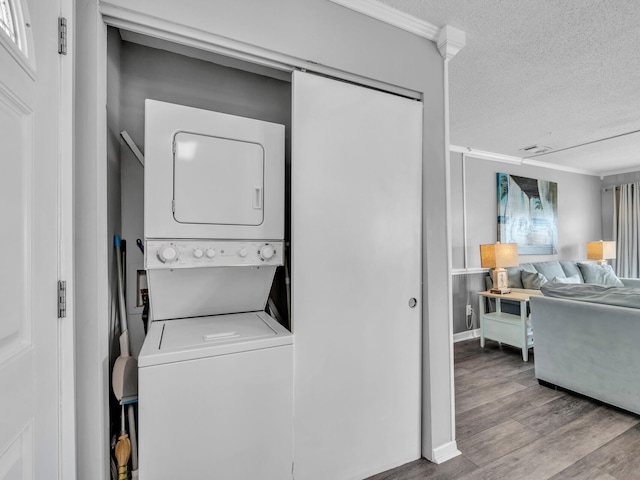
(506, 327)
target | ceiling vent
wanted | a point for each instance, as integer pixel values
(535, 149)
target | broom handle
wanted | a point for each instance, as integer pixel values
(124, 342)
(133, 438)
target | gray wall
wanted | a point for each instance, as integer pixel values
(579, 220)
(579, 205)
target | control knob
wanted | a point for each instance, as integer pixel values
(168, 254)
(197, 252)
(211, 253)
(267, 252)
(242, 252)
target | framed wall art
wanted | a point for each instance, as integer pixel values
(528, 214)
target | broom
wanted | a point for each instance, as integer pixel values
(124, 378)
(123, 451)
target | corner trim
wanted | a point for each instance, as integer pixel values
(392, 16)
(450, 41)
(466, 335)
(445, 452)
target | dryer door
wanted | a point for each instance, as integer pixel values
(217, 180)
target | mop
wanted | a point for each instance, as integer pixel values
(125, 382)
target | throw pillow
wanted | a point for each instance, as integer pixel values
(532, 280)
(572, 279)
(599, 274)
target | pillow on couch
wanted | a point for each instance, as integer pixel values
(549, 269)
(599, 274)
(572, 279)
(531, 280)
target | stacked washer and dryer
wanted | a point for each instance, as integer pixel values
(215, 370)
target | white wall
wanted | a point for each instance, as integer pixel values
(317, 31)
(579, 207)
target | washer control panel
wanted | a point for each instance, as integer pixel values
(211, 253)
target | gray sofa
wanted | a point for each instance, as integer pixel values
(528, 277)
(587, 338)
(551, 270)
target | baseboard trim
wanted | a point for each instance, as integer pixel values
(467, 335)
(445, 452)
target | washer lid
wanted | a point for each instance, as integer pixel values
(177, 340)
(205, 331)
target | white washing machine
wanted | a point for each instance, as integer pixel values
(215, 370)
(216, 399)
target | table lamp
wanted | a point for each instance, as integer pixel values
(497, 256)
(601, 251)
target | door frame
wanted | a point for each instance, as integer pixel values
(107, 14)
(66, 256)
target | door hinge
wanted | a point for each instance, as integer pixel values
(173, 206)
(62, 299)
(62, 35)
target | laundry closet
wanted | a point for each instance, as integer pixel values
(352, 293)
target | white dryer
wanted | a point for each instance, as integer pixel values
(215, 370)
(212, 175)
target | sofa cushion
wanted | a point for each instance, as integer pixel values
(515, 274)
(533, 280)
(599, 274)
(571, 268)
(572, 279)
(550, 269)
(605, 294)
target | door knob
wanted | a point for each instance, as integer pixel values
(413, 302)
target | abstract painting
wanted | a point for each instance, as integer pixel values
(528, 214)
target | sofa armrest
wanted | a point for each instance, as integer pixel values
(588, 348)
(631, 282)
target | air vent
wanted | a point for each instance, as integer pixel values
(535, 149)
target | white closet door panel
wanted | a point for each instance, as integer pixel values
(356, 247)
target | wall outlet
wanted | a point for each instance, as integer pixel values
(469, 310)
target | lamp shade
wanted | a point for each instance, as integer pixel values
(499, 255)
(601, 250)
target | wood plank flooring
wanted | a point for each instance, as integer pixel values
(509, 427)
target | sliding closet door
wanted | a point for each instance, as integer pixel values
(356, 223)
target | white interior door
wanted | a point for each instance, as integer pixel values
(356, 256)
(29, 335)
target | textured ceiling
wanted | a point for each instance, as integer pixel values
(557, 73)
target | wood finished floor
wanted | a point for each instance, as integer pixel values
(509, 427)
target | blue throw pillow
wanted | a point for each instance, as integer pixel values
(599, 274)
(532, 280)
(572, 279)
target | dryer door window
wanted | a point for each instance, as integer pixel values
(217, 180)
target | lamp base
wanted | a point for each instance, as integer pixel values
(500, 281)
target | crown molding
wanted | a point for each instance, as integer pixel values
(495, 157)
(537, 163)
(392, 16)
(498, 157)
(450, 41)
(619, 172)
